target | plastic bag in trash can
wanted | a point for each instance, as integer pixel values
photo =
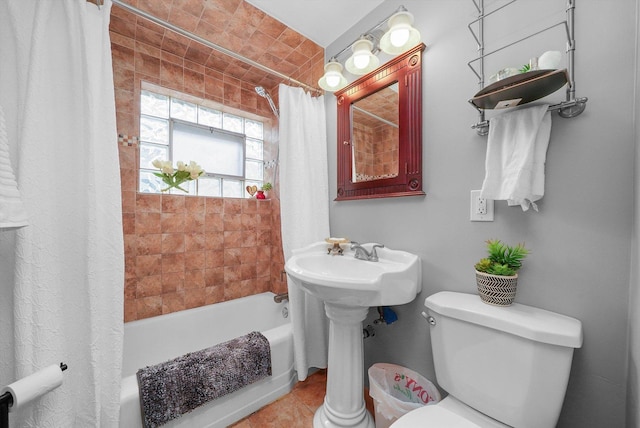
(397, 390)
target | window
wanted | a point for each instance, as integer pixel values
(227, 146)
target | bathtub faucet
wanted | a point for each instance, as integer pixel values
(279, 298)
(363, 254)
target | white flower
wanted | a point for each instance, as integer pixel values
(181, 166)
(195, 170)
(164, 166)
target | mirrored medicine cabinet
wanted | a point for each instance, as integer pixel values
(380, 131)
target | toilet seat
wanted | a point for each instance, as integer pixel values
(449, 413)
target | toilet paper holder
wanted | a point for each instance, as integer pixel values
(6, 401)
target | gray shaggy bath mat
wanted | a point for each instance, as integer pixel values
(171, 389)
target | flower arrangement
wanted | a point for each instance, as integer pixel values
(173, 178)
(267, 186)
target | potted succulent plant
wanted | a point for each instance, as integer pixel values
(497, 274)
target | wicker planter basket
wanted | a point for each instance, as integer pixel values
(495, 289)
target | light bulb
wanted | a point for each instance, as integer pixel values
(399, 37)
(361, 61)
(332, 80)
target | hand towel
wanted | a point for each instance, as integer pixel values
(516, 154)
(12, 213)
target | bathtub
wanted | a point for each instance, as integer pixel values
(154, 340)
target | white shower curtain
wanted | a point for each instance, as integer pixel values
(62, 276)
(304, 206)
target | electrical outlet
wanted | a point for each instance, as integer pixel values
(481, 208)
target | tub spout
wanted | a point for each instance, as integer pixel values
(279, 298)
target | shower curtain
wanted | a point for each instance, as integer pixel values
(304, 206)
(61, 289)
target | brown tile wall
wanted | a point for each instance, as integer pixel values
(187, 251)
(364, 140)
(385, 149)
(376, 149)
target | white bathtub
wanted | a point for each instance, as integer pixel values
(154, 340)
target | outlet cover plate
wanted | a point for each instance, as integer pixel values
(481, 209)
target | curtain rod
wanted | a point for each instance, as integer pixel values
(209, 44)
(373, 115)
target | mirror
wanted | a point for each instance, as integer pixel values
(374, 135)
(380, 131)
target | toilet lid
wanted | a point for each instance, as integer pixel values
(433, 416)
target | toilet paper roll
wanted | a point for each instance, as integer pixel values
(33, 386)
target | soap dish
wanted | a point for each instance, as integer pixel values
(335, 245)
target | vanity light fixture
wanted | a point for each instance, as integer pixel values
(400, 37)
(332, 80)
(363, 60)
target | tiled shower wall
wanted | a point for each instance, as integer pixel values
(386, 149)
(376, 150)
(186, 251)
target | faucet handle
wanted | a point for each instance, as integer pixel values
(374, 254)
(376, 246)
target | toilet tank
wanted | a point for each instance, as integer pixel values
(510, 363)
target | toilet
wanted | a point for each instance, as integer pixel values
(501, 366)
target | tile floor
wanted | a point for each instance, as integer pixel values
(294, 410)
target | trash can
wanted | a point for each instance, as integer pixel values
(397, 390)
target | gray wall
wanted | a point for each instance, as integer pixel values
(633, 382)
(580, 239)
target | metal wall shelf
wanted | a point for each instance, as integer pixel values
(531, 89)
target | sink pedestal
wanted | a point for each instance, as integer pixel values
(344, 400)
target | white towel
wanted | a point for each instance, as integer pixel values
(12, 213)
(516, 153)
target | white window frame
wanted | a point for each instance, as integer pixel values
(192, 186)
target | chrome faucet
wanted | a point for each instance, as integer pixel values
(363, 254)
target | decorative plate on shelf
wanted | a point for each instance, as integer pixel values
(520, 89)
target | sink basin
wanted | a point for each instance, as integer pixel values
(393, 280)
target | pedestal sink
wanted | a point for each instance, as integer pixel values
(348, 287)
